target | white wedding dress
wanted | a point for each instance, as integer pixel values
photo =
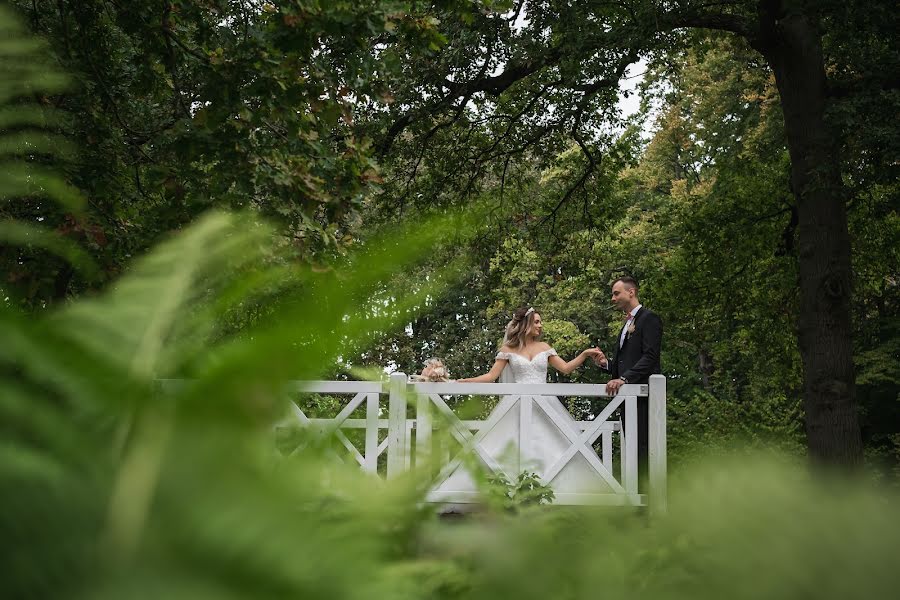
(546, 442)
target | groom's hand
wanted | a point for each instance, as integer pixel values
(613, 385)
(600, 359)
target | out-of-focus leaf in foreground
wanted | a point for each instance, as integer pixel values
(111, 487)
(191, 467)
(30, 143)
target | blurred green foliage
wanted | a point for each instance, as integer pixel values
(115, 483)
(331, 119)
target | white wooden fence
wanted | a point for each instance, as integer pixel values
(527, 414)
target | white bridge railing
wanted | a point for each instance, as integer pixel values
(401, 419)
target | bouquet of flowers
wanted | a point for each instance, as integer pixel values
(434, 371)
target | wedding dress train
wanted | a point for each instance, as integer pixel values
(551, 430)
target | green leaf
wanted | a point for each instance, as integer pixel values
(23, 234)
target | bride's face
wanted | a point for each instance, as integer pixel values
(537, 327)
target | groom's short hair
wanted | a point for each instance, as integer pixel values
(627, 281)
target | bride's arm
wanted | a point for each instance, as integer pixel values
(489, 377)
(567, 367)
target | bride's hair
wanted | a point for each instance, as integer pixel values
(518, 328)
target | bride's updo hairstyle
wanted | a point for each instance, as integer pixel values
(517, 329)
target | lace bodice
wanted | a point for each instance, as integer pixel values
(528, 371)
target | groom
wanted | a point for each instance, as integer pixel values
(636, 356)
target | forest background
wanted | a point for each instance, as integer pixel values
(237, 194)
(177, 107)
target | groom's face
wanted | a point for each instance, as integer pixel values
(622, 296)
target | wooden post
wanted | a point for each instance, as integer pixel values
(372, 433)
(657, 445)
(607, 450)
(397, 442)
(423, 430)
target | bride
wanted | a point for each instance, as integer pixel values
(526, 356)
(523, 358)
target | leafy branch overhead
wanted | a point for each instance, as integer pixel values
(117, 482)
(773, 153)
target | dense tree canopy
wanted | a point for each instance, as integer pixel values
(381, 182)
(754, 195)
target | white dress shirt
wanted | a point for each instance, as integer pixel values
(627, 323)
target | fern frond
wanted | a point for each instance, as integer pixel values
(146, 321)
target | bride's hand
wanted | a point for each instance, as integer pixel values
(596, 355)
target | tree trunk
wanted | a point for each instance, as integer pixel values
(793, 48)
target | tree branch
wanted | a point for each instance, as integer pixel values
(497, 84)
(196, 54)
(178, 101)
(742, 26)
(493, 86)
(588, 171)
(590, 91)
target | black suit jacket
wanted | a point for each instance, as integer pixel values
(638, 358)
